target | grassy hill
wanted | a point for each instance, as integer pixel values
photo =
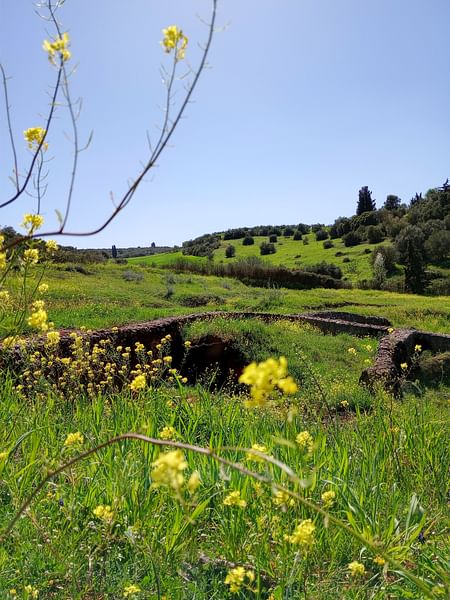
(289, 253)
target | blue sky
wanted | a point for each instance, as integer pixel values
(305, 102)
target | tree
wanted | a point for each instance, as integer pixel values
(267, 248)
(392, 202)
(438, 245)
(114, 251)
(410, 246)
(230, 251)
(365, 202)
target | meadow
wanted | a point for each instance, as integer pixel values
(328, 492)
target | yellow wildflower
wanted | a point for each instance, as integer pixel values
(104, 513)
(283, 499)
(4, 297)
(390, 330)
(193, 482)
(236, 578)
(131, 590)
(30, 591)
(404, 366)
(356, 568)
(252, 456)
(303, 534)
(344, 403)
(328, 498)
(4, 455)
(351, 350)
(167, 359)
(51, 246)
(187, 344)
(32, 222)
(417, 348)
(379, 560)
(13, 592)
(10, 341)
(31, 256)
(304, 440)
(34, 137)
(168, 470)
(264, 378)
(74, 439)
(43, 288)
(167, 433)
(2, 260)
(234, 499)
(53, 338)
(138, 383)
(59, 46)
(38, 318)
(174, 39)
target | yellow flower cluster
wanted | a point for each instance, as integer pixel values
(234, 499)
(283, 499)
(328, 498)
(34, 137)
(174, 39)
(168, 433)
(238, 577)
(51, 246)
(31, 591)
(264, 378)
(356, 569)
(168, 470)
(74, 439)
(304, 440)
(104, 512)
(131, 590)
(138, 383)
(38, 318)
(32, 222)
(59, 46)
(303, 534)
(252, 456)
(31, 256)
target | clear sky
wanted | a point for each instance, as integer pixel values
(305, 102)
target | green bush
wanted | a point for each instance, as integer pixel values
(267, 248)
(351, 239)
(248, 241)
(230, 251)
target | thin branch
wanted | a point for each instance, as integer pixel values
(11, 136)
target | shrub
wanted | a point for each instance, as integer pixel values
(351, 239)
(267, 248)
(321, 234)
(230, 251)
(410, 246)
(437, 246)
(297, 236)
(324, 268)
(303, 228)
(346, 259)
(305, 241)
(328, 244)
(288, 231)
(374, 234)
(273, 239)
(389, 254)
(248, 241)
(130, 275)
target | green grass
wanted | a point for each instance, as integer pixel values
(387, 461)
(104, 298)
(388, 465)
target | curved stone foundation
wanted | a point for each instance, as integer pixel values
(394, 349)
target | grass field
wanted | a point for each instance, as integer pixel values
(351, 501)
(101, 529)
(107, 296)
